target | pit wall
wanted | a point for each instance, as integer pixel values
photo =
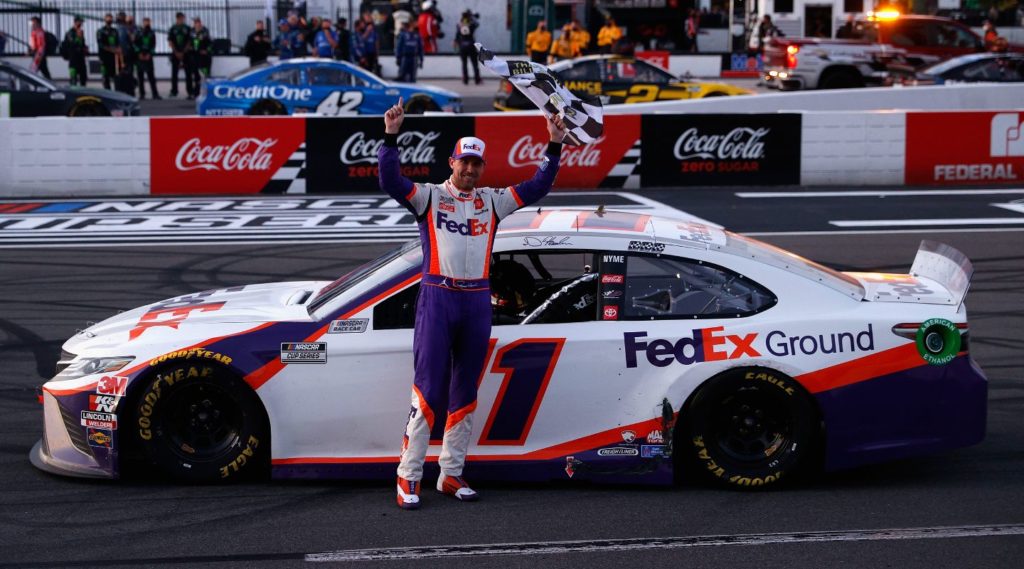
(58, 157)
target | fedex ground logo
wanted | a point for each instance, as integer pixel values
(704, 345)
(472, 228)
(713, 344)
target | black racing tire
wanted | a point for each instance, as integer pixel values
(198, 422)
(88, 109)
(841, 79)
(749, 428)
(420, 105)
(267, 107)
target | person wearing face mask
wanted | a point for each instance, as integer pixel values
(457, 222)
(538, 42)
(76, 50)
(179, 38)
(202, 58)
(145, 44)
(109, 46)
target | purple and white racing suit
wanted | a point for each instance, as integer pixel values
(453, 311)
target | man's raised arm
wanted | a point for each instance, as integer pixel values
(389, 167)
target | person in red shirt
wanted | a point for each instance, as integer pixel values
(37, 47)
(429, 27)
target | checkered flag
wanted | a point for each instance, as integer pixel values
(583, 119)
(291, 177)
(625, 174)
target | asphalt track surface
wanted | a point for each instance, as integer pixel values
(963, 508)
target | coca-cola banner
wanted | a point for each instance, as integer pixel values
(341, 153)
(214, 155)
(720, 150)
(516, 145)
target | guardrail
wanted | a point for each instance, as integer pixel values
(55, 157)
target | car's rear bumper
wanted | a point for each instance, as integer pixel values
(66, 447)
(913, 412)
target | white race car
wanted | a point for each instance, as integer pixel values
(624, 346)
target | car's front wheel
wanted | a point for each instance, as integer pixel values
(88, 108)
(750, 427)
(201, 423)
(420, 105)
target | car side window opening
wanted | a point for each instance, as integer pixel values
(329, 76)
(284, 76)
(7, 81)
(647, 73)
(663, 287)
(533, 287)
(583, 71)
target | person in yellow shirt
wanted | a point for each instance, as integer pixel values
(608, 37)
(581, 37)
(538, 42)
(564, 47)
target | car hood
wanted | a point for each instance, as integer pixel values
(425, 88)
(115, 96)
(199, 316)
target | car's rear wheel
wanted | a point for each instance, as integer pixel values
(750, 427)
(90, 108)
(420, 105)
(841, 79)
(267, 107)
(201, 423)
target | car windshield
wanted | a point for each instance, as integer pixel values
(408, 255)
(32, 76)
(248, 71)
(944, 66)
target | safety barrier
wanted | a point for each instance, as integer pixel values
(50, 157)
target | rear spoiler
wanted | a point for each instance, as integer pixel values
(946, 266)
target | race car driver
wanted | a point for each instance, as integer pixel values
(457, 221)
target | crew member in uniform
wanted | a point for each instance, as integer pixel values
(109, 47)
(457, 222)
(179, 38)
(145, 44)
(199, 59)
(77, 50)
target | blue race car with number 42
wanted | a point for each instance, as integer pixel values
(317, 86)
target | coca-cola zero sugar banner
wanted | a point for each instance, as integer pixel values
(341, 153)
(516, 145)
(720, 150)
(215, 155)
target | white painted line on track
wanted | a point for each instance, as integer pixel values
(881, 231)
(635, 544)
(876, 193)
(927, 222)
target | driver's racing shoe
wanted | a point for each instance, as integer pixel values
(456, 487)
(408, 494)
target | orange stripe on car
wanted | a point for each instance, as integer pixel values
(882, 363)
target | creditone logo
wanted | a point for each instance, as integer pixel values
(1007, 135)
(281, 92)
(244, 154)
(414, 147)
(741, 143)
(705, 345)
(473, 228)
(529, 152)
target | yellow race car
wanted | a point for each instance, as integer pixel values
(617, 79)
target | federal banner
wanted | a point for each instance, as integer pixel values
(341, 153)
(224, 155)
(720, 150)
(516, 145)
(977, 147)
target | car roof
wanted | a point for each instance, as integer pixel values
(613, 230)
(598, 57)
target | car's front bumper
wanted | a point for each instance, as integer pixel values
(66, 448)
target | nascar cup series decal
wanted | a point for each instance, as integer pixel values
(303, 352)
(938, 341)
(712, 344)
